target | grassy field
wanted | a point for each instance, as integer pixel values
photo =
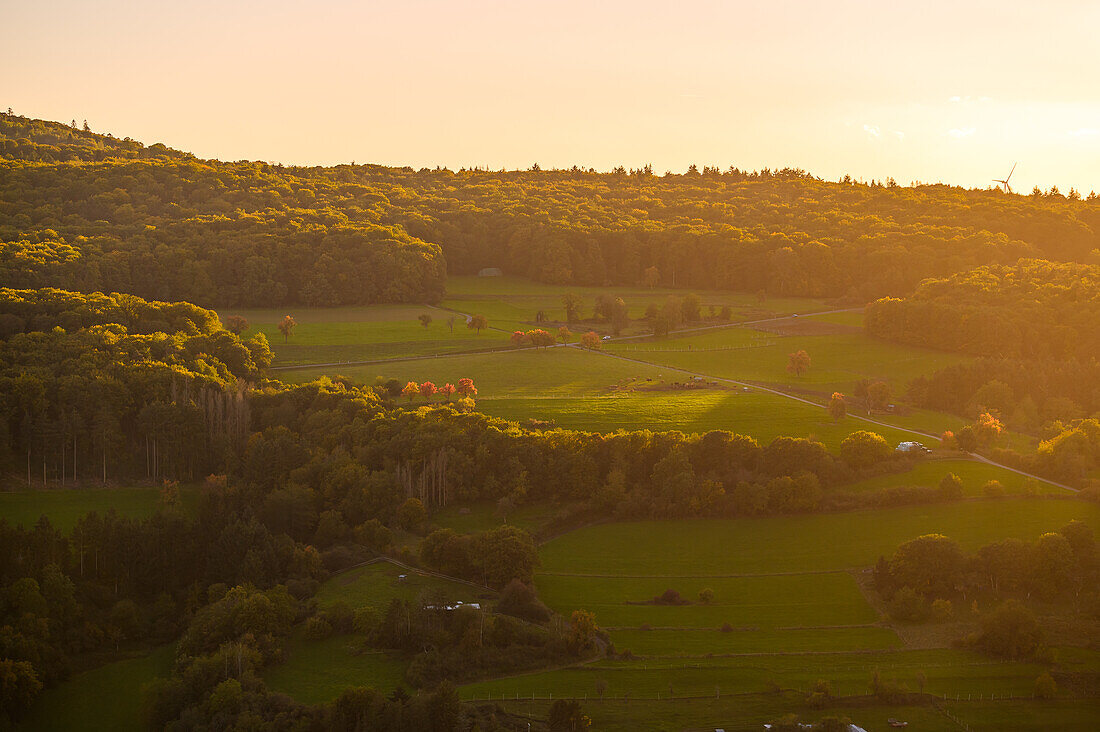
(318, 670)
(375, 585)
(771, 545)
(837, 360)
(64, 507)
(756, 602)
(759, 414)
(512, 302)
(522, 372)
(974, 476)
(333, 335)
(588, 391)
(483, 516)
(108, 697)
(947, 671)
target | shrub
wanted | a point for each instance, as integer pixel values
(951, 487)
(366, 620)
(1045, 687)
(669, 597)
(318, 628)
(942, 610)
(908, 606)
(706, 595)
(1011, 631)
(993, 489)
(520, 600)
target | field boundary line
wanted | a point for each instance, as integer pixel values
(699, 576)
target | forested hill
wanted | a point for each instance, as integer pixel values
(1034, 309)
(91, 212)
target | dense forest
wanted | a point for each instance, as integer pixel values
(1032, 309)
(89, 212)
(107, 387)
(1033, 325)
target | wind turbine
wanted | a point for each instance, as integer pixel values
(1008, 188)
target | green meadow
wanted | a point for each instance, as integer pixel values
(375, 585)
(63, 507)
(105, 698)
(366, 333)
(947, 671)
(317, 671)
(513, 303)
(807, 600)
(973, 474)
(708, 547)
(837, 361)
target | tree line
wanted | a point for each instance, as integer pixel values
(87, 212)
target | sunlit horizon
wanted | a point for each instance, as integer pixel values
(852, 89)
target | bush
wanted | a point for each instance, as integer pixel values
(706, 596)
(862, 449)
(908, 606)
(951, 487)
(1045, 687)
(993, 489)
(669, 597)
(366, 620)
(1011, 631)
(520, 600)
(318, 628)
(942, 610)
(340, 617)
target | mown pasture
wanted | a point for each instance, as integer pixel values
(370, 332)
(514, 303)
(946, 671)
(973, 474)
(64, 507)
(798, 600)
(707, 547)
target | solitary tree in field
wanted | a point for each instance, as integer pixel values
(427, 389)
(878, 396)
(798, 363)
(837, 407)
(477, 323)
(590, 341)
(236, 324)
(652, 277)
(411, 390)
(448, 391)
(287, 327)
(451, 324)
(466, 387)
(564, 334)
(660, 325)
(572, 304)
(425, 319)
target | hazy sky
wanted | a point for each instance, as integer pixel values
(933, 91)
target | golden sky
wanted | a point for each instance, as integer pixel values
(930, 91)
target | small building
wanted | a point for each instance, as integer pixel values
(490, 272)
